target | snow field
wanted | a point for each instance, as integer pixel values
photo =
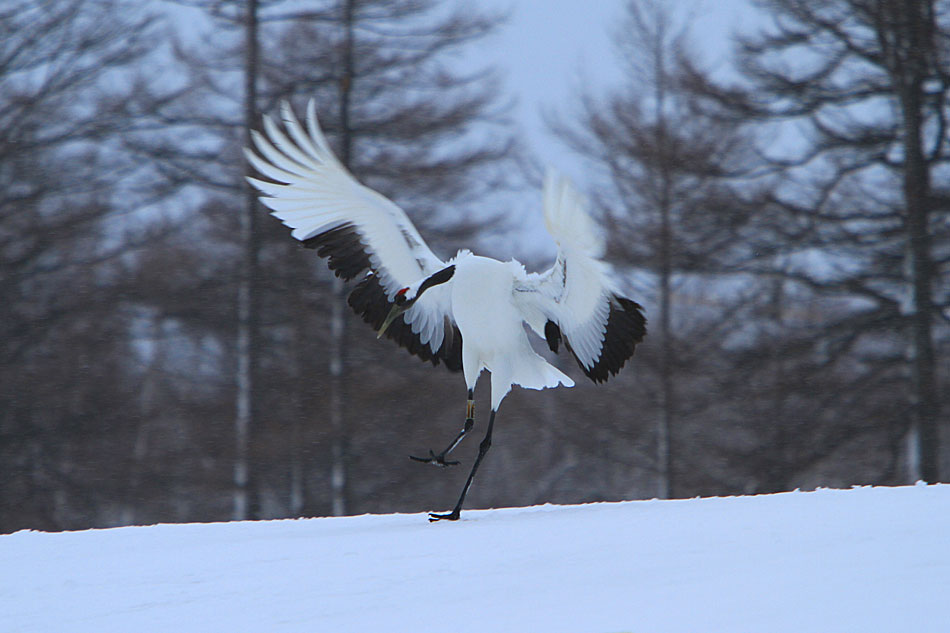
(862, 560)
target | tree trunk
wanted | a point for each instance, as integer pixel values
(923, 370)
(908, 50)
(340, 443)
(664, 174)
(778, 471)
(247, 291)
(667, 415)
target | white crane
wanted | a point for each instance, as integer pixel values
(467, 312)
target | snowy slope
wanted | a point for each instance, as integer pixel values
(863, 560)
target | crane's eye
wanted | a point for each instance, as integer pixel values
(400, 297)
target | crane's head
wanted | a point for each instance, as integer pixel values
(406, 297)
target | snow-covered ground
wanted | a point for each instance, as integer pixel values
(863, 560)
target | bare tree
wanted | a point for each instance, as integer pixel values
(863, 187)
(63, 353)
(669, 205)
(248, 346)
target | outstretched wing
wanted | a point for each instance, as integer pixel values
(356, 229)
(576, 299)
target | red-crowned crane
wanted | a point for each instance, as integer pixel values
(467, 312)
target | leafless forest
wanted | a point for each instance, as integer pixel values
(168, 353)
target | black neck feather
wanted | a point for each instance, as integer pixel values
(437, 278)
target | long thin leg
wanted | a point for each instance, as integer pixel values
(439, 460)
(482, 451)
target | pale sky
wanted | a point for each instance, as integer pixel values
(549, 49)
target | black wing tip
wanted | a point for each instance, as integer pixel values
(344, 249)
(626, 328)
(552, 334)
(368, 299)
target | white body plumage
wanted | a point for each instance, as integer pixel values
(483, 300)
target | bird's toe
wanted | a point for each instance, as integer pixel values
(436, 460)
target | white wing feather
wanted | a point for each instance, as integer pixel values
(315, 193)
(312, 192)
(576, 291)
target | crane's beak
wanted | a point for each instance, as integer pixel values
(392, 316)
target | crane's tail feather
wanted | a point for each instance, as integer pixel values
(533, 372)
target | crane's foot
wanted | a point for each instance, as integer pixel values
(436, 460)
(482, 451)
(449, 516)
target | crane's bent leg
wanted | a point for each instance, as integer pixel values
(482, 451)
(439, 460)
